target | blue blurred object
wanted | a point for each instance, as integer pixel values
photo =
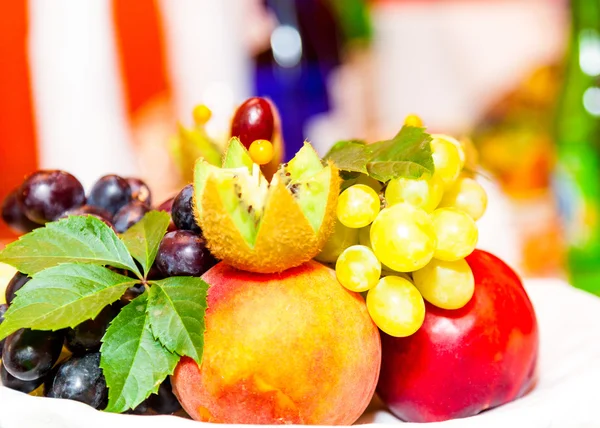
(293, 73)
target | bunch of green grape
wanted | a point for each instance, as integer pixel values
(405, 241)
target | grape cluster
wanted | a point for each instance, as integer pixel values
(49, 195)
(66, 364)
(404, 242)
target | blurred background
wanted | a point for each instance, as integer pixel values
(99, 87)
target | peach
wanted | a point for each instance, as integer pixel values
(288, 348)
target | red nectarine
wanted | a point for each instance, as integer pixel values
(464, 361)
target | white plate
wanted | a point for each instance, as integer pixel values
(567, 393)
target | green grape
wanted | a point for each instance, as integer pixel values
(456, 233)
(358, 206)
(447, 285)
(459, 146)
(389, 272)
(396, 306)
(357, 268)
(467, 195)
(425, 192)
(341, 238)
(446, 160)
(364, 236)
(403, 238)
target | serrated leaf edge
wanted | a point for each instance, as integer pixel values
(4, 331)
(51, 226)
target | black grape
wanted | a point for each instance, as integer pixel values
(14, 285)
(129, 215)
(167, 206)
(12, 382)
(183, 253)
(164, 402)
(30, 354)
(46, 195)
(182, 210)
(79, 379)
(131, 293)
(110, 193)
(141, 409)
(3, 309)
(86, 337)
(140, 191)
(14, 216)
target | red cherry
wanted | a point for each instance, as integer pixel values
(253, 120)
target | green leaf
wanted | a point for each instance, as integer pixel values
(350, 155)
(385, 171)
(408, 154)
(176, 309)
(77, 239)
(64, 296)
(133, 362)
(143, 238)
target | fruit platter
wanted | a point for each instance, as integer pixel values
(326, 290)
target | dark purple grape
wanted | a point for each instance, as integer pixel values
(3, 309)
(79, 379)
(182, 211)
(131, 293)
(110, 193)
(46, 195)
(14, 216)
(141, 409)
(125, 272)
(86, 337)
(154, 273)
(129, 215)
(164, 402)
(183, 253)
(12, 382)
(30, 354)
(140, 191)
(89, 209)
(166, 206)
(15, 284)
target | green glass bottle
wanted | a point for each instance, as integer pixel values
(578, 147)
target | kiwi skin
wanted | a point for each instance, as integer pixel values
(285, 238)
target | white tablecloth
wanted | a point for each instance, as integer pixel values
(567, 394)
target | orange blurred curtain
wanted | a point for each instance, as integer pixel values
(140, 45)
(18, 154)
